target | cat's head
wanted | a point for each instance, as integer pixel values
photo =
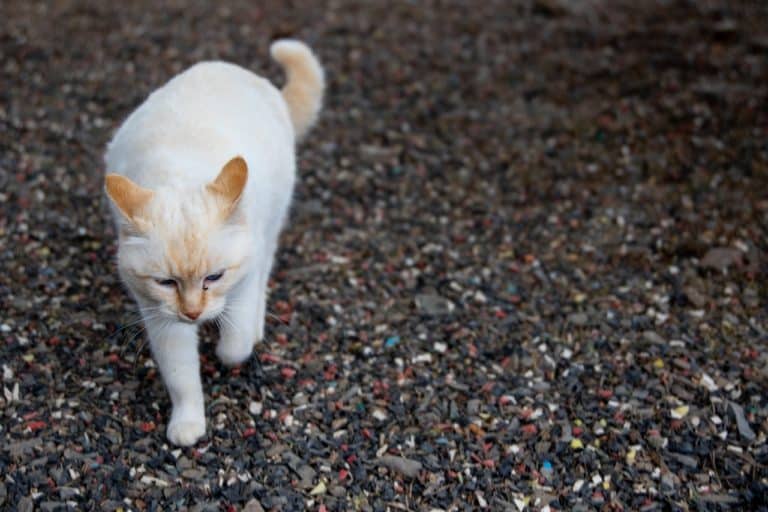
(181, 250)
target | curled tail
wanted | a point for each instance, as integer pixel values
(303, 92)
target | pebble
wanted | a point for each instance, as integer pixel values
(722, 258)
(435, 305)
(741, 421)
(578, 319)
(402, 465)
(255, 408)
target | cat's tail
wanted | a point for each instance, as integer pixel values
(303, 92)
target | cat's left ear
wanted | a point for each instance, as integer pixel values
(229, 184)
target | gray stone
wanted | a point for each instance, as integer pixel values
(695, 297)
(433, 304)
(653, 337)
(722, 258)
(741, 421)
(578, 319)
(685, 460)
(253, 506)
(25, 505)
(67, 493)
(407, 467)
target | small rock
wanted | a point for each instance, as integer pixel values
(685, 460)
(722, 258)
(407, 467)
(379, 154)
(253, 506)
(435, 305)
(67, 493)
(307, 476)
(25, 504)
(679, 413)
(653, 337)
(255, 408)
(741, 421)
(318, 489)
(695, 297)
(52, 506)
(193, 474)
(579, 319)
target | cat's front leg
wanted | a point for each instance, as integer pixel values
(242, 322)
(174, 347)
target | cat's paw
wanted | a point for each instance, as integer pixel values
(185, 432)
(233, 353)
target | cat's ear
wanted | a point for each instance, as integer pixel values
(229, 184)
(129, 197)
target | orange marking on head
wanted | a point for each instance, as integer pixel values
(129, 197)
(229, 185)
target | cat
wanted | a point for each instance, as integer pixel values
(200, 179)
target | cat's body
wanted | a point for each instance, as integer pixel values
(201, 179)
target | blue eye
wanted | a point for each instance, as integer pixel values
(213, 277)
(166, 282)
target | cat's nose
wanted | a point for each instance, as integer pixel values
(192, 315)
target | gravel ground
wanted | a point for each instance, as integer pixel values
(526, 267)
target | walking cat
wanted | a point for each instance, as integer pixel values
(200, 179)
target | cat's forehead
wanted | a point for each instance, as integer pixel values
(184, 222)
(186, 253)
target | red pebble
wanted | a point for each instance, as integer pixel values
(529, 429)
(36, 425)
(343, 474)
(287, 372)
(148, 426)
(249, 432)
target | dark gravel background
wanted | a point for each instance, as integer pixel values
(525, 269)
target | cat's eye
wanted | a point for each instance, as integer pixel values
(214, 277)
(166, 282)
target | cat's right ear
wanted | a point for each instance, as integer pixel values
(127, 196)
(229, 184)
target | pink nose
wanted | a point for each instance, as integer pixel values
(192, 315)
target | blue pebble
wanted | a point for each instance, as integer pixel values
(392, 341)
(547, 466)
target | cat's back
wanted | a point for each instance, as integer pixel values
(205, 114)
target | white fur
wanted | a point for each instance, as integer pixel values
(175, 144)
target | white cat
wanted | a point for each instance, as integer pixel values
(201, 178)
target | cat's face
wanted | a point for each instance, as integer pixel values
(181, 253)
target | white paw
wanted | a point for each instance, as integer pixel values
(233, 353)
(185, 433)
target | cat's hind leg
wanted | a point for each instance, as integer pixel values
(241, 324)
